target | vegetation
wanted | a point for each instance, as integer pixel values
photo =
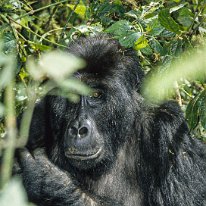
(168, 36)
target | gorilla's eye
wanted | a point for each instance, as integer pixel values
(96, 94)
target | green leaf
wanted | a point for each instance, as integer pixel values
(192, 113)
(154, 27)
(141, 43)
(80, 9)
(196, 110)
(147, 50)
(130, 39)
(120, 28)
(9, 40)
(168, 22)
(185, 17)
(202, 103)
(118, 2)
(157, 47)
(133, 14)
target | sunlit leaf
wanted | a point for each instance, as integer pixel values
(176, 8)
(80, 9)
(141, 43)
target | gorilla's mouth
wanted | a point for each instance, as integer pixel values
(83, 156)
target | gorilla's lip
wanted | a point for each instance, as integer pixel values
(83, 156)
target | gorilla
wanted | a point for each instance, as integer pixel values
(112, 148)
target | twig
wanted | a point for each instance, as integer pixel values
(27, 28)
(179, 99)
(26, 119)
(40, 9)
(71, 14)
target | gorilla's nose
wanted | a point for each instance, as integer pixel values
(80, 129)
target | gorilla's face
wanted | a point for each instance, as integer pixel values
(94, 128)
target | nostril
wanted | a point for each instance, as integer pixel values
(73, 131)
(83, 132)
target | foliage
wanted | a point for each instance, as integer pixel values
(159, 31)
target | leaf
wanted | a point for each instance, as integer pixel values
(74, 85)
(192, 112)
(118, 2)
(168, 22)
(185, 17)
(154, 27)
(157, 47)
(202, 103)
(196, 110)
(130, 39)
(176, 47)
(141, 43)
(7, 68)
(176, 8)
(9, 43)
(120, 28)
(133, 14)
(147, 50)
(80, 10)
(57, 65)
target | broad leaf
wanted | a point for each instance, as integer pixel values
(168, 22)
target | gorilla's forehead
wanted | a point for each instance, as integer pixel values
(97, 80)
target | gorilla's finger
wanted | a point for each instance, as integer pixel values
(39, 152)
(25, 158)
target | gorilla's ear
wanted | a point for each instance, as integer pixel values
(37, 126)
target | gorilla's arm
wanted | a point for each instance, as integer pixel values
(174, 157)
(46, 184)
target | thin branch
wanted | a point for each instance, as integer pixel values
(70, 16)
(27, 28)
(11, 134)
(37, 10)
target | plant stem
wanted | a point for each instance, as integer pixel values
(26, 118)
(11, 134)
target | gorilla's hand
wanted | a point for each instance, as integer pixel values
(43, 180)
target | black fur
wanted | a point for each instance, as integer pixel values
(112, 148)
